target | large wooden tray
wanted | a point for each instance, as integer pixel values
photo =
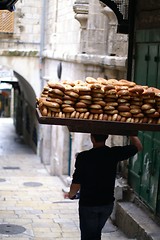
(97, 126)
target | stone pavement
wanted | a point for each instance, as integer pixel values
(31, 201)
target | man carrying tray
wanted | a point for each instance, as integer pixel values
(94, 177)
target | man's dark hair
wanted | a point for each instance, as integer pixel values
(99, 137)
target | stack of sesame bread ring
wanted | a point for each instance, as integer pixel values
(101, 99)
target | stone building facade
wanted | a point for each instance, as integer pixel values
(66, 39)
(81, 37)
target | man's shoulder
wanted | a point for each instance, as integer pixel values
(85, 152)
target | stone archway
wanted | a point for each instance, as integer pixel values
(22, 105)
(24, 64)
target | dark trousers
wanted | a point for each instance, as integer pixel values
(92, 220)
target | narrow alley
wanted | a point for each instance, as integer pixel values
(31, 200)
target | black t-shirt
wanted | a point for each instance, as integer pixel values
(95, 171)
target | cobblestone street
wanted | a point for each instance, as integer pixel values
(31, 201)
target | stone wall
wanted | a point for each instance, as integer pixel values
(81, 36)
(27, 24)
(62, 30)
(19, 51)
(78, 34)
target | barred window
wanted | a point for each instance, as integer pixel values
(6, 21)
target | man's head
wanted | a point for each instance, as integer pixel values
(98, 138)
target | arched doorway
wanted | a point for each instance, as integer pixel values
(18, 100)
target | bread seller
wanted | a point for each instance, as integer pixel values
(94, 177)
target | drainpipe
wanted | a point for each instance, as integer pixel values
(42, 39)
(69, 155)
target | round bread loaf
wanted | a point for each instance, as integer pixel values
(68, 109)
(53, 109)
(82, 110)
(125, 114)
(54, 85)
(123, 108)
(51, 104)
(95, 106)
(91, 80)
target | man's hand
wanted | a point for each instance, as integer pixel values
(136, 142)
(72, 194)
(66, 194)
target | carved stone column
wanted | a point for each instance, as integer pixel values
(112, 27)
(80, 8)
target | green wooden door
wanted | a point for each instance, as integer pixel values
(141, 69)
(154, 171)
(145, 167)
(135, 170)
(153, 56)
(144, 172)
(152, 80)
(149, 176)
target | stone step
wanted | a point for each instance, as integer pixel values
(135, 222)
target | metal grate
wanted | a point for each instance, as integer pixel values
(122, 5)
(32, 184)
(121, 10)
(2, 180)
(11, 229)
(11, 168)
(6, 21)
